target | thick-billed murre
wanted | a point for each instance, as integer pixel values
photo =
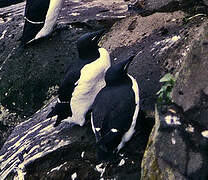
(115, 110)
(83, 80)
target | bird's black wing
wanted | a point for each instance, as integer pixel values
(63, 108)
(36, 10)
(69, 83)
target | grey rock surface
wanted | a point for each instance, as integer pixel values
(147, 7)
(37, 150)
(205, 2)
(159, 41)
(4, 3)
(175, 149)
(178, 143)
(193, 77)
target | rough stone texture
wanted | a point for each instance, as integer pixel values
(175, 151)
(4, 3)
(205, 2)
(153, 5)
(147, 7)
(180, 151)
(160, 42)
(37, 150)
(36, 138)
(193, 77)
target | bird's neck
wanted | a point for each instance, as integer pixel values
(90, 56)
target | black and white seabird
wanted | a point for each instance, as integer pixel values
(115, 111)
(40, 18)
(83, 80)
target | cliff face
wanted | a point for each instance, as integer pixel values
(4, 3)
(164, 39)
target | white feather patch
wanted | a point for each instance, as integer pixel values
(92, 124)
(74, 176)
(97, 129)
(122, 162)
(33, 22)
(114, 130)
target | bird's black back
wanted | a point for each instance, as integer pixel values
(36, 10)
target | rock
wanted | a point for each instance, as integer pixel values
(159, 41)
(11, 21)
(8, 121)
(190, 82)
(177, 147)
(4, 3)
(147, 7)
(176, 150)
(37, 150)
(205, 2)
(36, 138)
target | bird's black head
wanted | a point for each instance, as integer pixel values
(118, 72)
(88, 45)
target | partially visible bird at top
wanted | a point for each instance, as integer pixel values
(83, 80)
(40, 19)
(115, 110)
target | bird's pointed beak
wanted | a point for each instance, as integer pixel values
(97, 35)
(127, 62)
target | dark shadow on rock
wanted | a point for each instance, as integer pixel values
(151, 61)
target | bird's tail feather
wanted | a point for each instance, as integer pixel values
(107, 144)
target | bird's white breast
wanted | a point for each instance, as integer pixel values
(93, 74)
(51, 17)
(91, 81)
